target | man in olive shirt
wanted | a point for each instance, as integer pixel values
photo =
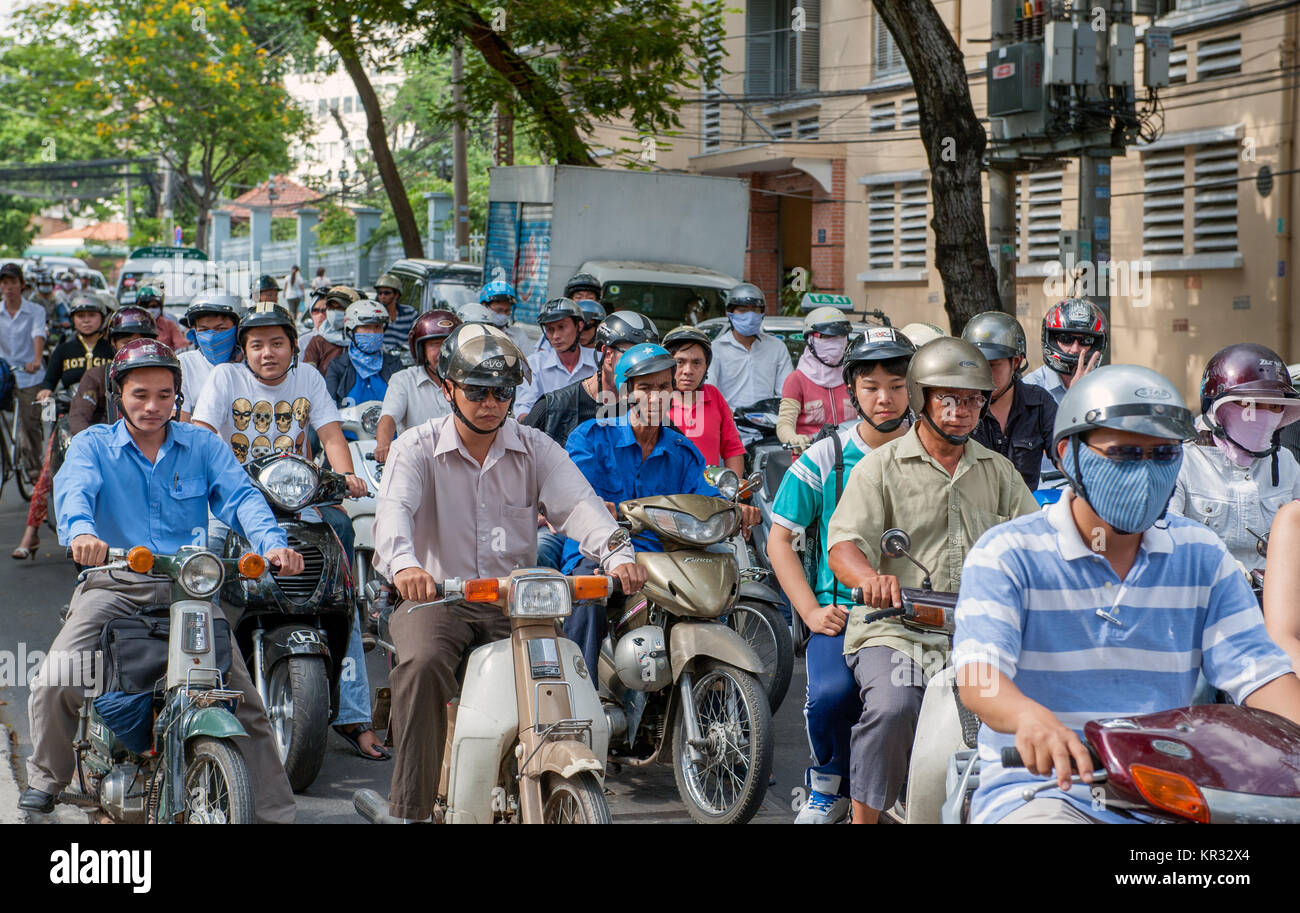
(945, 491)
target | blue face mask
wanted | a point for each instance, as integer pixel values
(747, 323)
(216, 345)
(367, 353)
(1130, 497)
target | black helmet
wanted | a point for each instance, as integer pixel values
(266, 283)
(559, 308)
(85, 302)
(624, 328)
(593, 311)
(877, 344)
(130, 321)
(268, 314)
(479, 355)
(207, 304)
(687, 335)
(582, 282)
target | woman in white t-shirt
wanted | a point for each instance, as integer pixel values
(293, 291)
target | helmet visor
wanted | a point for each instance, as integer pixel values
(1156, 420)
(1290, 404)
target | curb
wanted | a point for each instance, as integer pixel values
(9, 791)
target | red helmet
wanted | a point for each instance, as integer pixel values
(130, 320)
(1078, 317)
(143, 353)
(1247, 372)
(435, 324)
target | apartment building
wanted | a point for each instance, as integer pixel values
(822, 120)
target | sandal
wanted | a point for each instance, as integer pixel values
(22, 554)
(353, 738)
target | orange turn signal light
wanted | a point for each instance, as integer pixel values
(485, 589)
(1171, 792)
(251, 565)
(140, 560)
(592, 587)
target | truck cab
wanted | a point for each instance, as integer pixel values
(670, 294)
(429, 284)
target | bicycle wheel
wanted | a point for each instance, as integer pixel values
(6, 464)
(23, 481)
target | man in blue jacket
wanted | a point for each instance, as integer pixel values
(146, 480)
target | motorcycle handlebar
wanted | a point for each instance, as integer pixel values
(1011, 757)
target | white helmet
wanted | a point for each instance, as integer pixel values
(364, 313)
(920, 333)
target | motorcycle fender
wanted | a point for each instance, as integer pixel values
(487, 723)
(759, 592)
(689, 640)
(217, 722)
(938, 735)
(294, 640)
(363, 530)
(585, 701)
(565, 759)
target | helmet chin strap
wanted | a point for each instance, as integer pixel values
(455, 408)
(1219, 431)
(1079, 489)
(950, 438)
(888, 427)
(813, 349)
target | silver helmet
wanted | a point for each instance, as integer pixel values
(1126, 398)
(996, 334)
(641, 659)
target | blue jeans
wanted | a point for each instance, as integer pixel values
(588, 623)
(354, 681)
(550, 548)
(832, 707)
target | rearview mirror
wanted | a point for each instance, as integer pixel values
(618, 539)
(894, 543)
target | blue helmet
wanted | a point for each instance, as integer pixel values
(643, 358)
(497, 289)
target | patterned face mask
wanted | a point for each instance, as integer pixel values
(1130, 497)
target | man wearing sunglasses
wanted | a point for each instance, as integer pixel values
(460, 498)
(945, 490)
(1096, 607)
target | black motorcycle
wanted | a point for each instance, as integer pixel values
(293, 631)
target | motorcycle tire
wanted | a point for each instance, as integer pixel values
(574, 800)
(714, 687)
(764, 629)
(215, 766)
(298, 707)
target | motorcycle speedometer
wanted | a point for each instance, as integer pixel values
(289, 482)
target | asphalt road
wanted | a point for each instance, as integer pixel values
(32, 594)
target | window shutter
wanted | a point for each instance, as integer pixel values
(1178, 64)
(909, 114)
(1044, 191)
(1215, 199)
(911, 225)
(808, 47)
(880, 118)
(1218, 57)
(1162, 202)
(760, 42)
(880, 227)
(888, 60)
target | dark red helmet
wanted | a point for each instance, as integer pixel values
(130, 320)
(142, 353)
(1247, 372)
(1073, 316)
(435, 324)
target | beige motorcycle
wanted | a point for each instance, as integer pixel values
(527, 737)
(678, 682)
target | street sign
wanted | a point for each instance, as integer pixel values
(812, 300)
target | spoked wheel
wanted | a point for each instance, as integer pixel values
(298, 706)
(574, 800)
(21, 479)
(727, 785)
(217, 787)
(6, 462)
(765, 630)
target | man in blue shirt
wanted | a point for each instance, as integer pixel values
(146, 480)
(1094, 609)
(635, 455)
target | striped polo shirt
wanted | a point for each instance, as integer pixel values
(399, 328)
(1051, 614)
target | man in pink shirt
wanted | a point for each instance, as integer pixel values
(699, 410)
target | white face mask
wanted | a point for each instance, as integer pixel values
(501, 320)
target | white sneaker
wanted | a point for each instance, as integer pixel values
(823, 808)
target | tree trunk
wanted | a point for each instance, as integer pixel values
(560, 127)
(954, 144)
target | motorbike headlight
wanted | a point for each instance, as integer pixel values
(542, 597)
(200, 575)
(290, 483)
(684, 526)
(370, 420)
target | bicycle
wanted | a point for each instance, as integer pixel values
(11, 454)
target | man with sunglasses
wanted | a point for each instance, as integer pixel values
(1075, 335)
(945, 490)
(460, 498)
(1096, 608)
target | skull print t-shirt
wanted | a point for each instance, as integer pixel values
(256, 419)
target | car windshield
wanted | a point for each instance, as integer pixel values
(667, 305)
(450, 295)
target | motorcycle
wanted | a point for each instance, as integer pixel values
(293, 631)
(527, 738)
(677, 682)
(1210, 763)
(167, 757)
(360, 423)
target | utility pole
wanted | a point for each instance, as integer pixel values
(1002, 187)
(505, 152)
(460, 177)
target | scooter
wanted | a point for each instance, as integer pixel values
(359, 424)
(293, 631)
(527, 737)
(168, 756)
(1210, 763)
(677, 682)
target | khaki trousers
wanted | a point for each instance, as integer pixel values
(53, 709)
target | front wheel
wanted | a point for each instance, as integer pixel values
(763, 628)
(217, 786)
(574, 800)
(727, 785)
(298, 706)
(21, 478)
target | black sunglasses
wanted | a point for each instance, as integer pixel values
(477, 394)
(1161, 453)
(1066, 339)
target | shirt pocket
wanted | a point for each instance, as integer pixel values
(188, 488)
(1213, 512)
(520, 525)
